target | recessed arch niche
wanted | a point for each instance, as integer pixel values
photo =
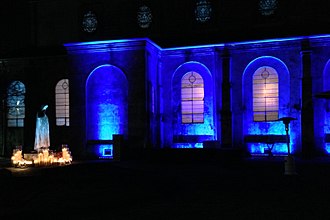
(251, 127)
(106, 103)
(194, 134)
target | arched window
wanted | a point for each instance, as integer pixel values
(265, 94)
(62, 103)
(192, 98)
(16, 104)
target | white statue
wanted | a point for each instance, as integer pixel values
(42, 130)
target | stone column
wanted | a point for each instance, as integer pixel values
(307, 111)
(226, 114)
(118, 145)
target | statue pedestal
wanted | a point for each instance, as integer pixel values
(289, 166)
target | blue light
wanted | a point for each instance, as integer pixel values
(326, 104)
(274, 40)
(107, 115)
(259, 148)
(105, 151)
(268, 128)
(106, 103)
(105, 42)
(327, 148)
(108, 126)
(198, 129)
(187, 145)
(276, 128)
(208, 46)
(148, 41)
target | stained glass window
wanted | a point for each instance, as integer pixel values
(203, 11)
(265, 94)
(267, 7)
(16, 104)
(192, 98)
(62, 103)
(89, 22)
(144, 16)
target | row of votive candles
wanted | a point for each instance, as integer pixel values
(44, 157)
(47, 158)
(18, 160)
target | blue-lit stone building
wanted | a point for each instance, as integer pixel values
(159, 88)
(227, 70)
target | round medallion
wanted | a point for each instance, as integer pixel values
(265, 74)
(267, 7)
(192, 79)
(89, 22)
(65, 85)
(144, 16)
(203, 11)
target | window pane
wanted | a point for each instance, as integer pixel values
(265, 94)
(16, 104)
(198, 118)
(192, 98)
(187, 118)
(62, 102)
(60, 121)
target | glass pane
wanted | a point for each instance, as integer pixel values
(60, 121)
(62, 101)
(186, 119)
(16, 104)
(198, 118)
(265, 94)
(192, 98)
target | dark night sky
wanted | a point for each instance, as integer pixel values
(30, 26)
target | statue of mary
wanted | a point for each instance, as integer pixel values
(42, 130)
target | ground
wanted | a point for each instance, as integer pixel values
(249, 188)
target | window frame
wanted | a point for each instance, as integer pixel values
(62, 104)
(192, 98)
(265, 94)
(15, 104)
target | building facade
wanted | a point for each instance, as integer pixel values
(224, 95)
(233, 91)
